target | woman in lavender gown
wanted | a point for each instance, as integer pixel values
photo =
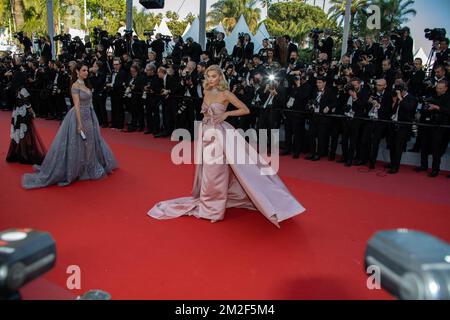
(78, 151)
(224, 184)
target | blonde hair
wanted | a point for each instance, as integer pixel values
(223, 84)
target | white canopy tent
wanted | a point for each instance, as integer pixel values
(188, 27)
(156, 29)
(164, 29)
(259, 36)
(240, 27)
(193, 31)
(220, 28)
(422, 55)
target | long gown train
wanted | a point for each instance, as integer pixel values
(70, 157)
(227, 184)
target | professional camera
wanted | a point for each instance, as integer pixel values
(349, 87)
(341, 81)
(149, 32)
(398, 87)
(313, 106)
(437, 34)
(210, 35)
(241, 36)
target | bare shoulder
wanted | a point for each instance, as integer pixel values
(228, 94)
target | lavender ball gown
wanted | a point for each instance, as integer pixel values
(221, 186)
(70, 157)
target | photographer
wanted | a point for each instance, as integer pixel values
(322, 104)
(291, 47)
(185, 116)
(405, 45)
(374, 52)
(171, 90)
(248, 47)
(366, 70)
(340, 126)
(443, 53)
(98, 82)
(238, 52)
(380, 103)
(387, 73)
(136, 49)
(274, 97)
(133, 99)
(271, 65)
(177, 52)
(116, 87)
(38, 81)
(216, 46)
(25, 41)
(416, 78)
(297, 103)
(47, 49)
(152, 100)
(357, 106)
(252, 95)
(118, 44)
(201, 70)
(192, 49)
(158, 46)
(404, 109)
(355, 53)
(327, 45)
(263, 51)
(387, 49)
(436, 112)
(430, 83)
(59, 87)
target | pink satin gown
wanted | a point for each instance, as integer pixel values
(218, 186)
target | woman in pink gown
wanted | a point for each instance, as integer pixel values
(219, 181)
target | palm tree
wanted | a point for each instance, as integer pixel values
(337, 9)
(18, 9)
(229, 11)
(394, 13)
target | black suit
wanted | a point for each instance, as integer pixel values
(360, 109)
(134, 103)
(327, 47)
(170, 102)
(117, 110)
(320, 123)
(248, 50)
(98, 82)
(158, 46)
(194, 51)
(47, 51)
(295, 121)
(152, 103)
(374, 131)
(399, 134)
(434, 140)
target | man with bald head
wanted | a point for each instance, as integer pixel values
(380, 103)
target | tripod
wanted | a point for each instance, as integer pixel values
(429, 70)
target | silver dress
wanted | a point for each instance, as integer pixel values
(70, 157)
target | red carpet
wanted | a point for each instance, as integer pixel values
(102, 227)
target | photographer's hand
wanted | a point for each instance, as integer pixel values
(434, 107)
(326, 110)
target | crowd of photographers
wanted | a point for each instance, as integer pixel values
(376, 92)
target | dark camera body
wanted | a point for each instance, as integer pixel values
(349, 87)
(438, 34)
